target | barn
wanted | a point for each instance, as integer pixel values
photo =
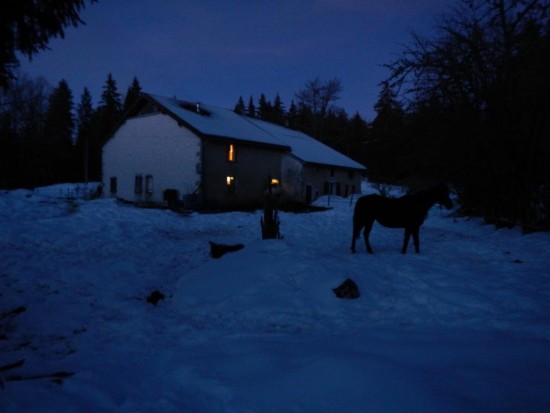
(201, 156)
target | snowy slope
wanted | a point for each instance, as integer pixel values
(462, 327)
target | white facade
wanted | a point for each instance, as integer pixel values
(149, 154)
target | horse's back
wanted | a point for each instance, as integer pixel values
(390, 212)
(367, 206)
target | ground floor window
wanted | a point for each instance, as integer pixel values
(138, 184)
(113, 185)
(149, 184)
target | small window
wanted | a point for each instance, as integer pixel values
(274, 182)
(149, 184)
(230, 182)
(138, 184)
(231, 153)
(113, 185)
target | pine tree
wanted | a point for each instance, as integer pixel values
(264, 108)
(390, 155)
(278, 111)
(110, 108)
(132, 94)
(58, 161)
(239, 107)
(107, 116)
(59, 127)
(251, 109)
(85, 123)
(292, 116)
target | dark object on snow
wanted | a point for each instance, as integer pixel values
(217, 250)
(14, 312)
(6, 318)
(348, 289)
(407, 212)
(56, 377)
(11, 366)
(155, 297)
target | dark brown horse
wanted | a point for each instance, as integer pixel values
(407, 212)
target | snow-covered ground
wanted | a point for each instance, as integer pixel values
(462, 327)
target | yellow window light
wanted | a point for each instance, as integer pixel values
(231, 153)
(230, 180)
(274, 182)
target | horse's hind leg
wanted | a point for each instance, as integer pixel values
(406, 240)
(416, 239)
(366, 233)
(355, 235)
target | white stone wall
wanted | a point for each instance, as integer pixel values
(152, 145)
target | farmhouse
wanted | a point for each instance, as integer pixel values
(170, 150)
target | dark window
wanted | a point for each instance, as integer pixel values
(113, 184)
(138, 184)
(149, 184)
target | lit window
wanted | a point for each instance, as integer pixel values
(274, 182)
(149, 184)
(230, 181)
(231, 153)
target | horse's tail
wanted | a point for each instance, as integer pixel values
(358, 223)
(358, 218)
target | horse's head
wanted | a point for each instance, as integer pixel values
(442, 196)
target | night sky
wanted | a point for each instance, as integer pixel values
(215, 51)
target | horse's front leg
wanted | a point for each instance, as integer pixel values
(406, 240)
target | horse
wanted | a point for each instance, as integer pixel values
(407, 212)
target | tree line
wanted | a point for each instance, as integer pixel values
(46, 138)
(315, 112)
(471, 105)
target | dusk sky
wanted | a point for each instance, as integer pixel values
(215, 51)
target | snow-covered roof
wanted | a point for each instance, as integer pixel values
(215, 122)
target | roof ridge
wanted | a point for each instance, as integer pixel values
(254, 122)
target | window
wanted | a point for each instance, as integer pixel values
(138, 184)
(149, 184)
(113, 184)
(230, 182)
(274, 182)
(231, 153)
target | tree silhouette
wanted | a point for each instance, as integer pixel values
(28, 27)
(132, 94)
